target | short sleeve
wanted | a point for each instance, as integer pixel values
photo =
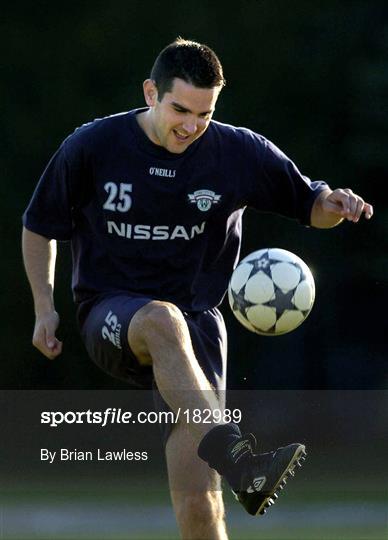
(279, 186)
(57, 195)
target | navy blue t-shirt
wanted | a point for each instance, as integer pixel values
(163, 225)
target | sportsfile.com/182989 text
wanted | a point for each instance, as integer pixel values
(113, 415)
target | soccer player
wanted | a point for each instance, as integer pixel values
(152, 201)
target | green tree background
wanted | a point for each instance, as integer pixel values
(311, 76)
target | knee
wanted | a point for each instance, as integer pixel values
(200, 511)
(161, 317)
(155, 323)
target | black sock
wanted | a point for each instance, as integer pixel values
(226, 451)
(214, 446)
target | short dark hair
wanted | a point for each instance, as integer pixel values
(193, 62)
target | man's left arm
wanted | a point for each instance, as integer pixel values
(332, 207)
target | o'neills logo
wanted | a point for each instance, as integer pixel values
(167, 173)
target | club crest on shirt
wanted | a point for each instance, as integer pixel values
(204, 199)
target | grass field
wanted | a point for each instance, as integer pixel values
(115, 511)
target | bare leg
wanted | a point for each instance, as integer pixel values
(158, 335)
(195, 489)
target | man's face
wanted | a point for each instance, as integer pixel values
(181, 116)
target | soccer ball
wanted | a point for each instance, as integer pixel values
(271, 291)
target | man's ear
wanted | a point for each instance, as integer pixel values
(150, 92)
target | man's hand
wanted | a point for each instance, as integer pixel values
(331, 207)
(347, 204)
(44, 335)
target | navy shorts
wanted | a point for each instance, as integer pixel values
(104, 332)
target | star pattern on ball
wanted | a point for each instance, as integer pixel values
(263, 264)
(282, 301)
(240, 303)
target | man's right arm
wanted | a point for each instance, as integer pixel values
(39, 256)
